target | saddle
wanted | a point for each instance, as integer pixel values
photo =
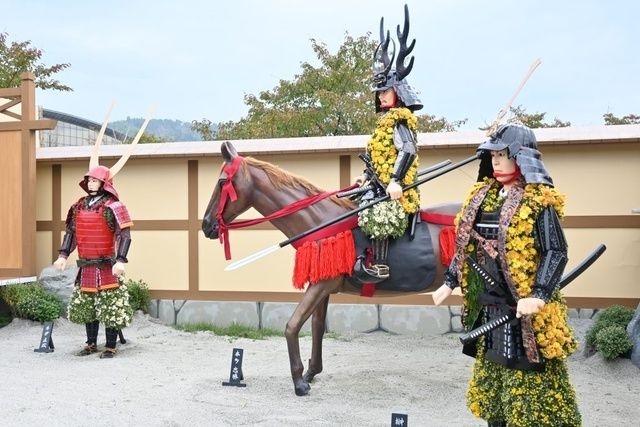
(411, 261)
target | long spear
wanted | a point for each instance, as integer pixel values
(264, 252)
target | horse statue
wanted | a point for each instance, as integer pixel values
(295, 206)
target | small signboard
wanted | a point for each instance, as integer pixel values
(46, 342)
(235, 376)
(399, 420)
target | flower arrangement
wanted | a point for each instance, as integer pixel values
(111, 305)
(383, 220)
(114, 308)
(384, 154)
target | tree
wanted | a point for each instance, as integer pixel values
(534, 120)
(18, 57)
(334, 98)
(629, 119)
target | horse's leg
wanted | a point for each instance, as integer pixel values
(318, 327)
(314, 295)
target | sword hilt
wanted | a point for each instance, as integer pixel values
(478, 332)
(355, 191)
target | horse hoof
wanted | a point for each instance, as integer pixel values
(302, 389)
(309, 375)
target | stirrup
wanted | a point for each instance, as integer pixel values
(108, 353)
(380, 270)
(89, 349)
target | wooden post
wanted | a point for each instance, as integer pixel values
(18, 178)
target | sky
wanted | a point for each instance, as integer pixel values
(197, 59)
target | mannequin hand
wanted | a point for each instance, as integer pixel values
(528, 306)
(60, 263)
(394, 190)
(441, 294)
(117, 269)
(359, 180)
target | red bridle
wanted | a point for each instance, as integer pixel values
(227, 191)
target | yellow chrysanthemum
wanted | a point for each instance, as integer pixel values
(384, 154)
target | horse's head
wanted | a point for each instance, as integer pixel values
(232, 194)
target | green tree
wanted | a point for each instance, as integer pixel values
(18, 57)
(334, 98)
(533, 120)
(629, 119)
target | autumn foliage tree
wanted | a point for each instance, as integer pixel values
(629, 119)
(334, 98)
(18, 57)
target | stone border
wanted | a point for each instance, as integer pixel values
(341, 318)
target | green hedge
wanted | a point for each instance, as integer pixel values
(608, 334)
(31, 301)
(139, 297)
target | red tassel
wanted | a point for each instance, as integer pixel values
(314, 272)
(447, 245)
(325, 259)
(302, 266)
(367, 289)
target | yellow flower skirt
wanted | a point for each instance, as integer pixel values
(522, 398)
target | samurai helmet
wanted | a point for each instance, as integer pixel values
(385, 76)
(521, 145)
(104, 173)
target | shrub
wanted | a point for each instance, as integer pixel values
(613, 341)
(31, 301)
(139, 297)
(615, 315)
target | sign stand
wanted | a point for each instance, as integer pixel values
(46, 342)
(236, 376)
(399, 420)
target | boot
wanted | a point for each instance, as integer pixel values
(92, 338)
(110, 346)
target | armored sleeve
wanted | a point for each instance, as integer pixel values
(451, 274)
(405, 142)
(553, 254)
(121, 214)
(69, 240)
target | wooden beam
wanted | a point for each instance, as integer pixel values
(29, 125)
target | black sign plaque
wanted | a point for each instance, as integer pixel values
(46, 342)
(235, 376)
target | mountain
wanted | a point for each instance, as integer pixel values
(165, 129)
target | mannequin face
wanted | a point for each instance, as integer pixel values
(387, 98)
(503, 167)
(93, 185)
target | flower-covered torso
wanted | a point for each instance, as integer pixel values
(553, 337)
(383, 154)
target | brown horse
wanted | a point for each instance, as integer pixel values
(269, 189)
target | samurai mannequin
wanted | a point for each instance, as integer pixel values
(393, 146)
(98, 225)
(510, 227)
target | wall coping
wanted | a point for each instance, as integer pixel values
(344, 144)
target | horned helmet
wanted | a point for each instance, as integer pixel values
(385, 76)
(103, 173)
(521, 145)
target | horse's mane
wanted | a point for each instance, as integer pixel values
(284, 179)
